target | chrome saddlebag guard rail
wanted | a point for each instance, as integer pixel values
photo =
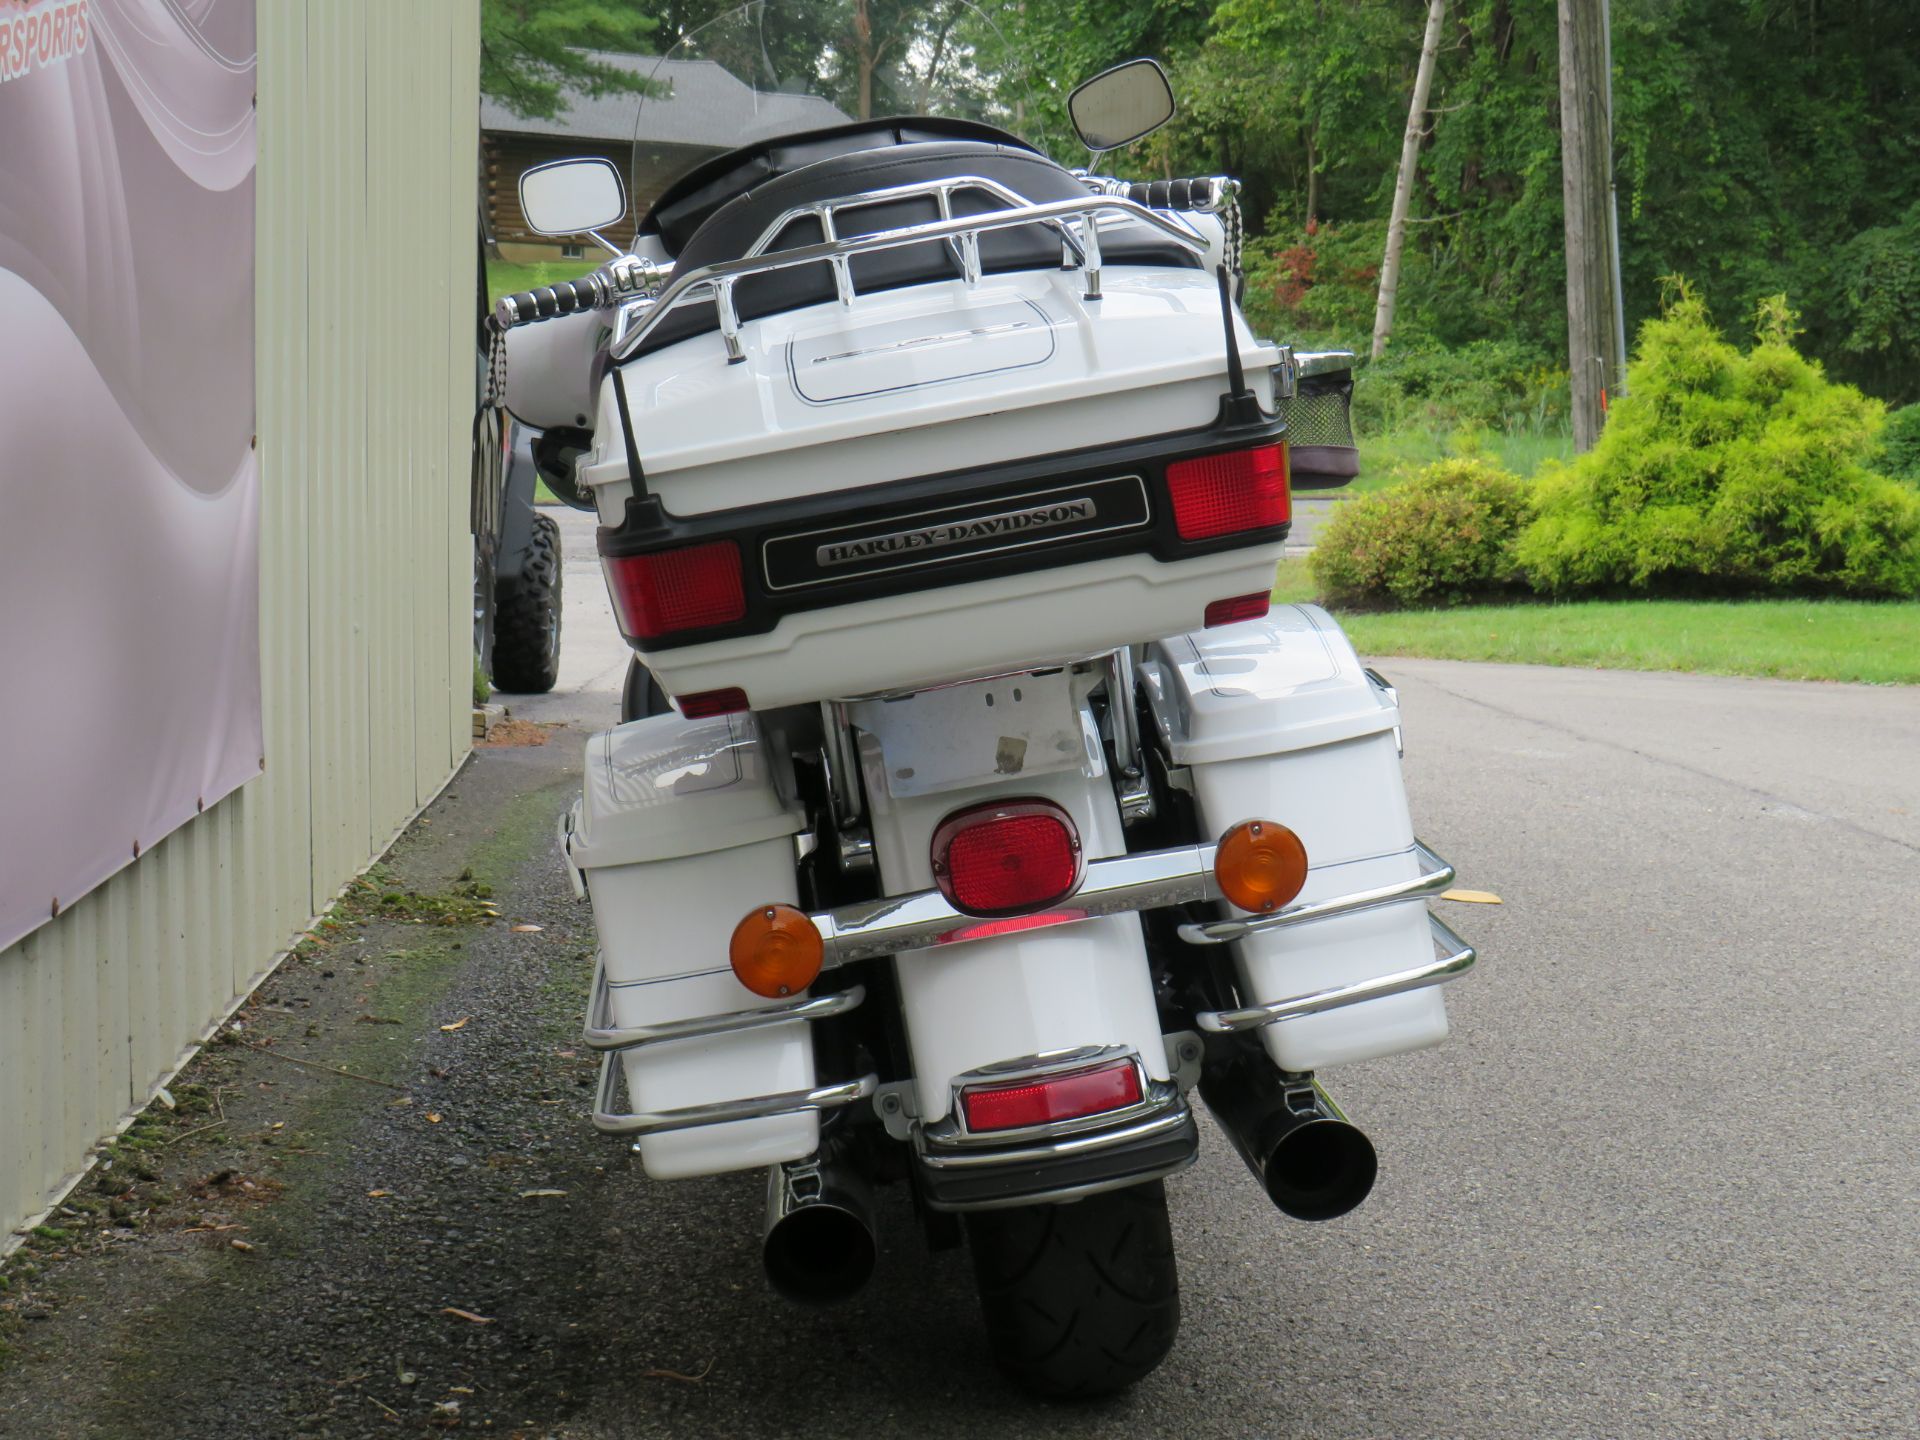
(1175, 876)
(611, 1041)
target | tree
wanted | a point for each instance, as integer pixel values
(533, 50)
(1403, 187)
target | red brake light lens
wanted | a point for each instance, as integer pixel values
(672, 590)
(1238, 608)
(1003, 858)
(1224, 494)
(1056, 1098)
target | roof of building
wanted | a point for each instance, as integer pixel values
(704, 105)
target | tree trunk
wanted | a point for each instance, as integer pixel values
(1313, 177)
(1403, 185)
(863, 37)
(1586, 145)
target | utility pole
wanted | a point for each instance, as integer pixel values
(1596, 342)
(1403, 185)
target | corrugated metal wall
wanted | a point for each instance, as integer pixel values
(365, 385)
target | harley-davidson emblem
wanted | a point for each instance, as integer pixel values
(958, 532)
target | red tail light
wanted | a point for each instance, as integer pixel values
(672, 590)
(1240, 607)
(1055, 1098)
(1224, 494)
(702, 703)
(1003, 858)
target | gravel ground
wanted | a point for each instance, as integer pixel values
(1662, 1181)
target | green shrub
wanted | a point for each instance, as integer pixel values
(1447, 534)
(1493, 385)
(1900, 445)
(1726, 472)
(1316, 289)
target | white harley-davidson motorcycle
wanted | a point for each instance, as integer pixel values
(973, 808)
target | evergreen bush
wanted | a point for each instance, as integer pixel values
(1726, 472)
(1444, 535)
(1900, 445)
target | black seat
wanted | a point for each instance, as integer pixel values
(732, 230)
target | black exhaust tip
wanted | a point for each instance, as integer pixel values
(819, 1254)
(1313, 1164)
(1321, 1169)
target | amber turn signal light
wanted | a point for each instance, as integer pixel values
(1260, 865)
(775, 951)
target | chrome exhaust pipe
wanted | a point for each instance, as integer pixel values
(1313, 1163)
(818, 1246)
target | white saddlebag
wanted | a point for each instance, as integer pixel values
(680, 831)
(1278, 719)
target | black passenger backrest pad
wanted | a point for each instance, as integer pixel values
(732, 230)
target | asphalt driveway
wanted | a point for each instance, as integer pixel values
(1664, 1180)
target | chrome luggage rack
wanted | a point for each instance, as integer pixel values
(1077, 221)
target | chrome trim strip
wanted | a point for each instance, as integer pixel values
(1169, 1117)
(1456, 962)
(1324, 362)
(1113, 886)
(609, 1121)
(717, 280)
(1070, 1192)
(602, 1034)
(1436, 875)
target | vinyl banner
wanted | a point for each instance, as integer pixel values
(129, 498)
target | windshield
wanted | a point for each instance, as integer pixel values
(768, 69)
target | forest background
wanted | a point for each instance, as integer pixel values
(1761, 147)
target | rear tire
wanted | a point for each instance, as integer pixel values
(1082, 1299)
(526, 616)
(641, 697)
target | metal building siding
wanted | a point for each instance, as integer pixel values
(364, 382)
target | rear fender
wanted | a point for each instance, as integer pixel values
(1037, 992)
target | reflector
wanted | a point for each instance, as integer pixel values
(1223, 494)
(1057, 1097)
(1239, 607)
(703, 703)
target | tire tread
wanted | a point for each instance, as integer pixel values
(1080, 1300)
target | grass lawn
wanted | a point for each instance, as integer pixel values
(505, 278)
(1384, 457)
(1874, 642)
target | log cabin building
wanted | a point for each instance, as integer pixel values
(702, 109)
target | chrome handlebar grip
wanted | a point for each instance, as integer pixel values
(619, 279)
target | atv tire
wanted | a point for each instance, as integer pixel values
(1081, 1299)
(526, 616)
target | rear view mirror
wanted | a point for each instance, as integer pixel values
(571, 197)
(1121, 105)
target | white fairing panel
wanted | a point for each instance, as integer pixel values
(1060, 987)
(550, 370)
(985, 627)
(679, 830)
(1278, 720)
